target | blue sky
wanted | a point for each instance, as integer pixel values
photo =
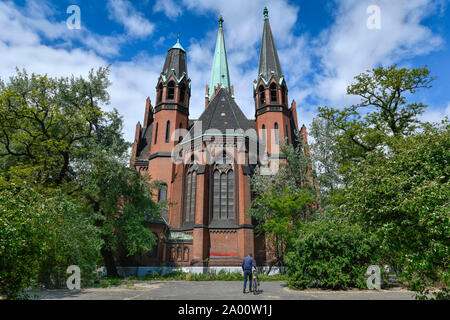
(322, 45)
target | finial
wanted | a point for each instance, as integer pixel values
(178, 37)
(220, 21)
(266, 13)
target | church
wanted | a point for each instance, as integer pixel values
(205, 165)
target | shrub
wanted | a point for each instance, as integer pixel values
(331, 255)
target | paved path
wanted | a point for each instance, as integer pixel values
(217, 290)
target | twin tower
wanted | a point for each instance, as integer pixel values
(206, 222)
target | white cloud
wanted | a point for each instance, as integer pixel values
(349, 48)
(122, 11)
(344, 50)
(170, 8)
(436, 115)
(22, 46)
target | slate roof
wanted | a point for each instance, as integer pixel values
(175, 62)
(223, 113)
(269, 64)
(143, 151)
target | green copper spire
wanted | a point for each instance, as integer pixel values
(178, 44)
(266, 13)
(219, 71)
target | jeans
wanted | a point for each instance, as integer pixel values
(248, 273)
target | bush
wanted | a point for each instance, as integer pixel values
(330, 255)
(403, 197)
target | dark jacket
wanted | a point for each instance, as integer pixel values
(248, 263)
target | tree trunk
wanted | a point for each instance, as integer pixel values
(110, 264)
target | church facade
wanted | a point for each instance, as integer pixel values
(205, 165)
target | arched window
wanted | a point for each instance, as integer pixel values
(277, 135)
(283, 94)
(156, 133)
(180, 137)
(182, 90)
(167, 131)
(273, 92)
(179, 256)
(191, 187)
(264, 137)
(160, 90)
(262, 95)
(230, 195)
(171, 90)
(186, 254)
(162, 193)
(223, 194)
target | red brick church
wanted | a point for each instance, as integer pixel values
(209, 191)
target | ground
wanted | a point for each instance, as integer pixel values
(216, 290)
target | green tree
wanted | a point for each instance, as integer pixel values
(283, 199)
(324, 156)
(55, 138)
(402, 195)
(383, 111)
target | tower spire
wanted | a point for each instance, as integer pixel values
(269, 63)
(219, 72)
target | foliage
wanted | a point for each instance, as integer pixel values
(383, 111)
(330, 254)
(222, 275)
(285, 198)
(402, 194)
(56, 140)
(324, 156)
(44, 121)
(40, 237)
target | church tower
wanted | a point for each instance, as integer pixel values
(170, 113)
(274, 120)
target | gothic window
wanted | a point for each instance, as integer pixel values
(156, 133)
(180, 137)
(262, 95)
(264, 134)
(223, 193)
(162, 193)
(186, 254)
(191, 187)
(179, 254)
(273, 92)
(182, 92)
(171, 90)
(277, 135)
(160, 90)
(283, 94)
(167, 131)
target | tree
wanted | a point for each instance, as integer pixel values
(382, 112)
(324, 156)
(43, 123)
(285, 198)
(402, 195)
(56, 139)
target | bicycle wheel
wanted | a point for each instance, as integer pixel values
(255, 285)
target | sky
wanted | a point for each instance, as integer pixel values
(321, 44)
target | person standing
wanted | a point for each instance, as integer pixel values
(247, 264)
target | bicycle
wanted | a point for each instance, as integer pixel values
(255, 281)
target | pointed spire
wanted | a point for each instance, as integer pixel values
(178, 44)
(219, 72)
(175, 61)
(268, 59)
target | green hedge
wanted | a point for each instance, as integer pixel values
(330, 255)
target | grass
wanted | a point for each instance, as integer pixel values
(182, 276)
